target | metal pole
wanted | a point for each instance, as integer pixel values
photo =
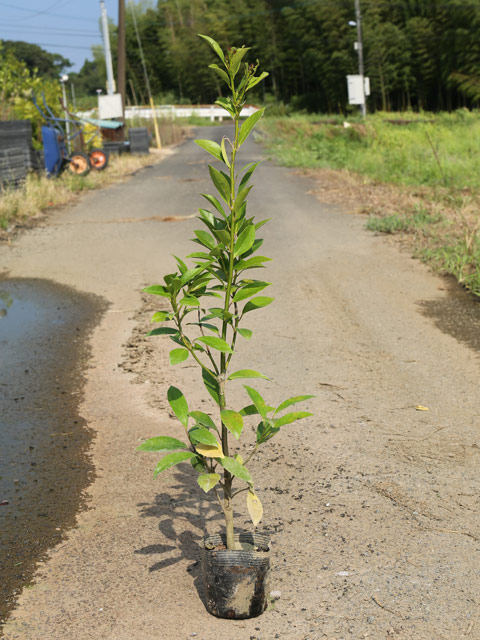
(358, 16)
(108, 52)
(67, 123)
(121, 75)
(74, 99)
(147, 79)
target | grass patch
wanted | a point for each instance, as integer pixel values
(416, 175)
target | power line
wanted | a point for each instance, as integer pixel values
(51, 32)
(30, 27)
(62, 46)
(45, 12)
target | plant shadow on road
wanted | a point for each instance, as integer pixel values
(183, 516)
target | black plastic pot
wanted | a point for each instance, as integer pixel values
(236, 582)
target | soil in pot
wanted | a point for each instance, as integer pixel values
(236, 581)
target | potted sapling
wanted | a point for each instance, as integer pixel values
(209, 298)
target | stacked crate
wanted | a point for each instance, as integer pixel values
(139, 140)
(17, 155)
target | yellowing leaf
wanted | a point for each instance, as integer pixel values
(209, 451)
(420, 408)
(254, 507)
(208, 480)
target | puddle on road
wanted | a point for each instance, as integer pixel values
(44, 464)
(458, 314)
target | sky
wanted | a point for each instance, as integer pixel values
(67, 27)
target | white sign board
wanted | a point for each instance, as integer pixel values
(110, 106)
(354, 84)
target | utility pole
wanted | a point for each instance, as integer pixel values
(147, 79)
(121, 75)
(361, 71)
(108, 51)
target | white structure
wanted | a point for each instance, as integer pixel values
(355, 93)
(172, 111)
(110, 106)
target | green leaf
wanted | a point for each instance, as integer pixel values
(204, 325)
(161, 316)
(290, 401)
(246, 373)
(208, 480)
(221, 73)
(190, 274)
(215, 46)
(162, 443)
(254, 81)
(190, 301)
(177, 401)
(261, 223)
(251, 410)
(251, 263)
(223, 236)
(257, 303)
(211, 385)
(257, 400)
(236, 59)
(266, 430)
(249, 290)
(249, 169)
(240, 199)
(226, 104)
(202, 435)
(233, 421)
(203, 419)
(200, 255)
(199, 464)
(292, 417)
(205, 239)
(162, 331)
(236, 469)
(181, 264)
(215, 343)
(207, 217)
(244, 241)
(248, 125)
(178, 355)
(223, 151)
(211, 147)
(171, 459)
(245, 333)
(215, 203)
(220, 182)
(157, 290)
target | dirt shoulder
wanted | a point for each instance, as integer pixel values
(372, 505)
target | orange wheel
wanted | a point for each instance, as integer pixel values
(79, 163)
(98, 159)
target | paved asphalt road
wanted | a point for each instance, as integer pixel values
(372, 504)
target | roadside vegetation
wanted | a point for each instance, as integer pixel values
(23, 206)
(416, 175)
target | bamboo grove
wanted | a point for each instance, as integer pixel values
(419, 54)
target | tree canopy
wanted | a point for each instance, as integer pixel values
(419, 54)
(46, 64)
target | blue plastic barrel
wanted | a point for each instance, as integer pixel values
(52, 150)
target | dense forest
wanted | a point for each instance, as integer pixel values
(419, 54)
